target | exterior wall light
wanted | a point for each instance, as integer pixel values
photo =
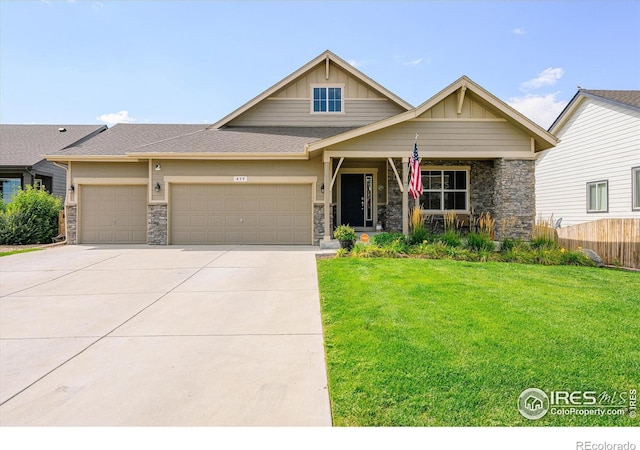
(72, 188)
(157, 187)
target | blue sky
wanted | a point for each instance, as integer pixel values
(194, 62)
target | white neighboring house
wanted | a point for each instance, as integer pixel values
(594, 172)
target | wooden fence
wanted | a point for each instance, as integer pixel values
(617, 241)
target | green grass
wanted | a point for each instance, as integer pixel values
(15, 252)
(448, 343)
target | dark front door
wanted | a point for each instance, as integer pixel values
(352, 199)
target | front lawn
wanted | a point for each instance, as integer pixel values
(447, 343)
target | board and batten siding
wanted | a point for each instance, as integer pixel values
(297, 113)
(600, 142)
(291, 105)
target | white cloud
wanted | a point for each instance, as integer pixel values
(119, 117)
(414, 62)
(548, 77)
(519, 31)
(542, 109)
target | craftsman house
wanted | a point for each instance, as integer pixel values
(325, 146)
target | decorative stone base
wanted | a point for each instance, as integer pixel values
(71, 213)
(157, 225)
(318, 222)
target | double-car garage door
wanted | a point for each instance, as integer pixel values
(200, 214)
(240, 214)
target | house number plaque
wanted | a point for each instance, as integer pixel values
(240, 179)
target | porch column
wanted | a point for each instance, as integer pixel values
(405, 196)
(327, 199)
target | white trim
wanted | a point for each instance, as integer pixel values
(635, 186)
(467, 170)
(588, 195)
(326, 86)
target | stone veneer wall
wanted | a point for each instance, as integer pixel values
(157, 224)
(503, 188)
(515, 197)
(71, 213)
(392, 216)
(318, 222)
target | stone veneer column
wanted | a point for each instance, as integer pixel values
(318, 222)
(71, 214)
(515, 197)
(393, 213)
(157, 224)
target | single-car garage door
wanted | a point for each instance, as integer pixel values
(113, 215)
(240, 214)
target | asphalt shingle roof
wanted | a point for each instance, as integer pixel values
(24, 145)
(152, 138)
(631, 98)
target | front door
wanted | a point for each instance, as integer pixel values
(356, 199)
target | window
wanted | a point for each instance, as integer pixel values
(597, 196)
(635, 188)
(445, 190)
(8, 187)
(327, 99)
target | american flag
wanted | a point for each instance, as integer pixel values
(415, 182)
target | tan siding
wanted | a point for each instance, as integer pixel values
(109, 170)
(297, 112)
(312, 167)
(448, 109)
(300, 88)
(486, 139)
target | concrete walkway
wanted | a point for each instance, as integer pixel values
(162, 336)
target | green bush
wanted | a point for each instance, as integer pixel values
(543, 242)
(386, 238)
(30, 218)
(418, 236)
(451, 238)
(509, 244)
(480, 242)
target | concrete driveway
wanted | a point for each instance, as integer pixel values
(141, 335)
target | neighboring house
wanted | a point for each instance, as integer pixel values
(594, 172)
(327, 145)
(21, 155)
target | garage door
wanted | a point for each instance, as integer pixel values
(241, 214)
(113, 215)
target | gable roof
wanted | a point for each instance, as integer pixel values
(25, 145)
(627, 99)
(324, 57)
(543, 139)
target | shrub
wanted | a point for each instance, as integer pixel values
(451, 238)
(345, 233)
(418, 236)
(509, 244)
(543, 242)
(386, 238)
(30, 218)
(480, 242)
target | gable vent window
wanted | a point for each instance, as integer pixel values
(327, 99)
